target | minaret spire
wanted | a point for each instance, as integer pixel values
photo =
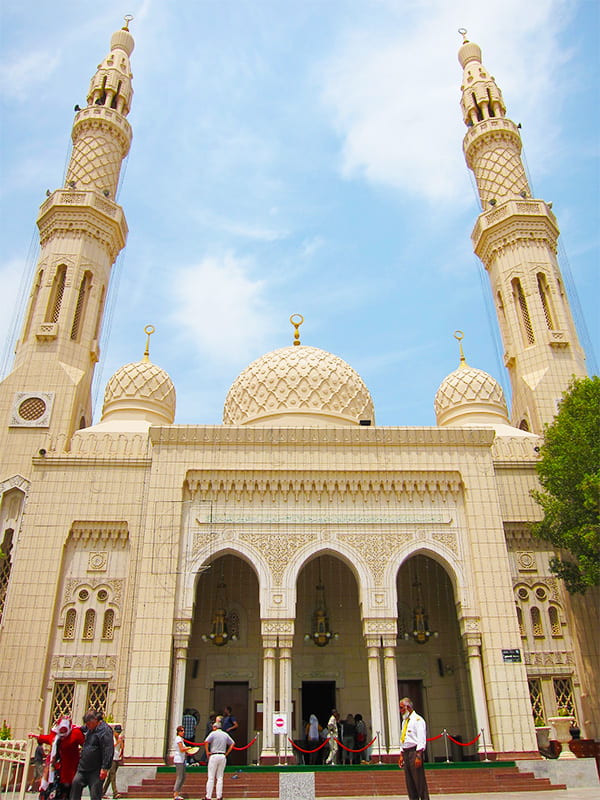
(516, 239)
(82, 230)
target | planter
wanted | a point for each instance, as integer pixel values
(561, 732)
(542, 734)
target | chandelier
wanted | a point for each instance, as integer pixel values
(421, 632)
(320, 632)
(219, 630)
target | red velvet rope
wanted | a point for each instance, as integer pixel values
(201, 744)
(463, 744)
(316, 750)
(361, 750)
(433, 738)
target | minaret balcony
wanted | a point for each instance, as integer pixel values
(511, 222)
(98, 117)
(70, 212)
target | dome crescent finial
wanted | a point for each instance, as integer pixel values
(128, 18)
(296, 320)
(148, 330)
(459, 336)
(463, 33)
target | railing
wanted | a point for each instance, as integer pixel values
(15, 755)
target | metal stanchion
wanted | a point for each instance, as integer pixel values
(445, 732)
(378, 746)
(484, 746)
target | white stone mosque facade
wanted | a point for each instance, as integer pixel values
(298, 556)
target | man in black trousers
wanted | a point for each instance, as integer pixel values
(413, 740)
(95, 758)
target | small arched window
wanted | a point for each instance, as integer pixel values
(554, 621)
(523, 312)
(82, 298)
(56, 295)
(89, 624)
(536, 622)
(70, 623)
(546, 300)
(108, 625)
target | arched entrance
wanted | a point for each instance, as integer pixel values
(330, 663)
(430, 659)
(224, 656)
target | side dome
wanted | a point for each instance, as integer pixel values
(140, 391)
(298, 386)
(470, 395)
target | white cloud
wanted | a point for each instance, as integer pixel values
(395, 103)
(222, 309)
(21, 74)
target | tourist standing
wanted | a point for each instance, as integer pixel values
(413, 740)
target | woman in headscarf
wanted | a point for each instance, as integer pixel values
(313, 738)
(65, 741)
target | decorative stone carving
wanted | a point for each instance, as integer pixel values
(269, 627)
(377, 549)
(448, 540)
(526, 561)
(98, 561)
(277, 549)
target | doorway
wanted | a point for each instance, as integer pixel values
(235, 695)
(318, 697)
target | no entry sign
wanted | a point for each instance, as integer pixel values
(280, 722)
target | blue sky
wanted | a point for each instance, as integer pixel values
(306, 158)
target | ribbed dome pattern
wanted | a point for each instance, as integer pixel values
(298, 380)
(140, 387)
(469, 389)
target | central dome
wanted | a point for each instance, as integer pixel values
(298, 386)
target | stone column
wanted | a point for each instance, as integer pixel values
(473, 648)
(285, 685)
(269, 687)
(181, 639)
(390, 674)
(375, 693)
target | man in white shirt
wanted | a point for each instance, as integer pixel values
(413, 740)
(218, 744)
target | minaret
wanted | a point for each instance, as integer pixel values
(82, 230)
(516, 239)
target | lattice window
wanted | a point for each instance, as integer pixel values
(5, 567)
(56, 296)
(84, 289)
(70, 623)
(544, 293)
(554, 620)
(563, 692)
(89, 624)
(536, 622)
(108, 624)
(62, 700)
(97, 695)
(523, 312)
(537, 701)
(520, 621)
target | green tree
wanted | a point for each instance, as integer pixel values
(569, 472)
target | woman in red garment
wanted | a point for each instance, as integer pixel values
(65, 740)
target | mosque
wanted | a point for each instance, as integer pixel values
(298, 556)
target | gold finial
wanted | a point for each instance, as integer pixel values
(148, 330)
(296, 320)
(128, 18)
(463, 33)
(459, 336)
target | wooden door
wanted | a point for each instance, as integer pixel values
(232, 694)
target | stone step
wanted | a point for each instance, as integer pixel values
(359, 782)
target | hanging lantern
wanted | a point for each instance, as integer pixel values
(320, 633)
(420, 632)
(219, 630)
